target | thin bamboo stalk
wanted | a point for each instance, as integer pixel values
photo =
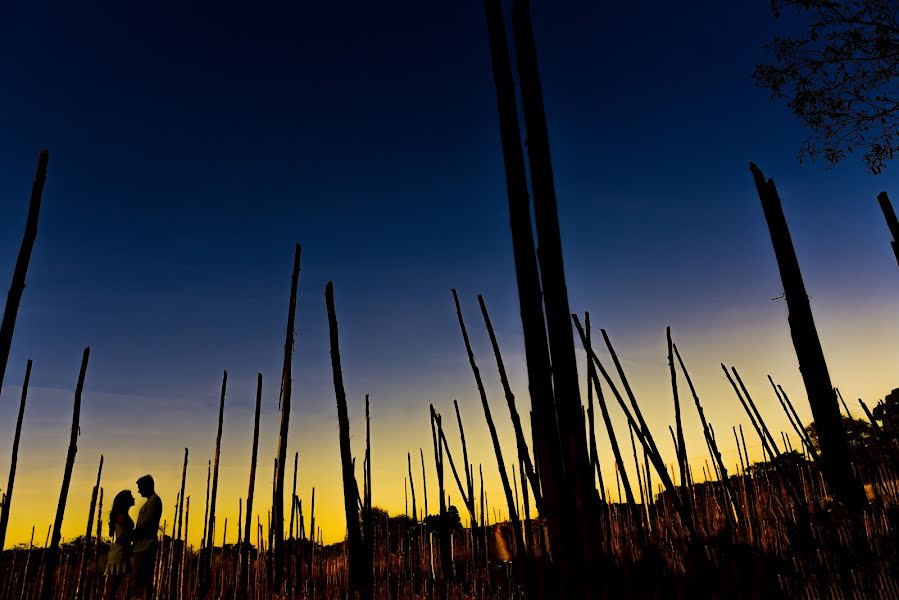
(591, 424)
(424, 481)
(284, 404)
(52, 552)
(412, 486)
(17, 287)
(520, 440)
(749, 413)
(206, 574)
(359, 566)
(758, 415)
(681, 443)
(243, 588)
(80, 590)
(802, 435)
(710, 438)
(293, 492)
(10, 484)
(500, 463)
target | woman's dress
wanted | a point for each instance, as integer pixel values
(117, 561)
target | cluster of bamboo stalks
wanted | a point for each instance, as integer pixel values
(799, 523)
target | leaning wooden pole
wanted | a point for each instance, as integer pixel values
(447, 565)
(284, 403)
(52, 552)
(591, 420)
(293, 493)
(681, 445)
(243, 588)
(892, 222)
(17, 287)
(500, 463)
(80, 590)
(835, 461)
(359, 567)
(206, 571)
(178, 550)
(803, 436)
(412, 485)
(710, 438)
(523, 453)
(4, 510)
(566, 384)
(565, 537)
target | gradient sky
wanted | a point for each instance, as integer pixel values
(192, 144)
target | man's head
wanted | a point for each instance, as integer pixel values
(145, 486)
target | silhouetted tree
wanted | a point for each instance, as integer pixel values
(839, 79)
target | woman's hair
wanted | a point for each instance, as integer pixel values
(120, 505)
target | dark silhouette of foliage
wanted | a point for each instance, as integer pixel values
(887, 412)
(865, 445)
(839, 79)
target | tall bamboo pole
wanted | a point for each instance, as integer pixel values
(563, 530)
(97, 579)
(284, 403)
(210, 529)
(424, 482)
(359, 565)
(613, 440)
(681, 445)
(835, 460)
(755, 410)
(713, 444)
(205, 511)
(803, 436)
(892, 222)
(591, 420)
(80, 590)
(243, 588)
(412, 485)
(641, 430)
(52, 552)
(520, 440)
(181, 496)
(17, 287)
(749, 413)
(368, 460)
(566, 384)
(500, 463)
(7, 503)
(469, 480)
(446, 563)
(293, 493)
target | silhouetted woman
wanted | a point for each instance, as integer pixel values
(120, 528)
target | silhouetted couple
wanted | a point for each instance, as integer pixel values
(133, 550)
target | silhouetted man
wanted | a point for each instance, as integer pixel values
(143, 552)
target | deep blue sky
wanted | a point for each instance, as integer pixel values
(193, 143)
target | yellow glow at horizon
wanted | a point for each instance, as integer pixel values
(859, 344)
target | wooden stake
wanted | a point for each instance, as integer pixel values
(284, 404)
(244, 587)
(892, 222)
(52, 552)
(17, 287)
(835, 460)
(359, 565)
(80, 590)
(210, 529)
(7, 502)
